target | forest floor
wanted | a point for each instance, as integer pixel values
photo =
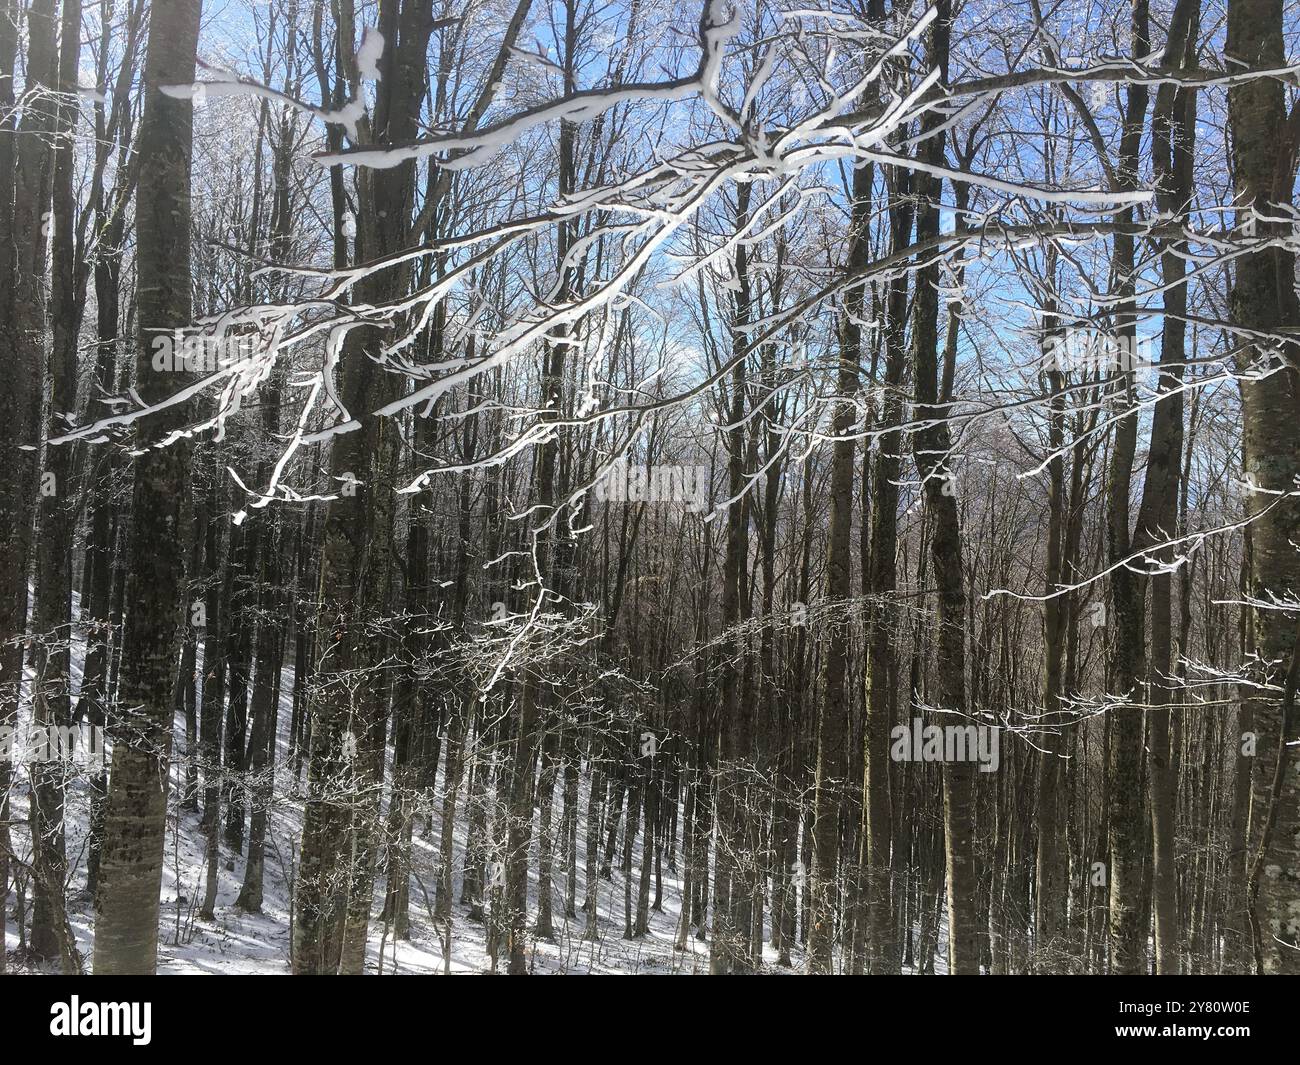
(240, 942)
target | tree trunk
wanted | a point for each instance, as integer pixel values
(130, 875)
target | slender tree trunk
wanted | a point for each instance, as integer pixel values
(130, 875)
(1263, 300)
(832, 763)
(1125, 784)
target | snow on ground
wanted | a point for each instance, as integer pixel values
(239, 942)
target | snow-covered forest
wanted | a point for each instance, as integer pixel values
(649, 486)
